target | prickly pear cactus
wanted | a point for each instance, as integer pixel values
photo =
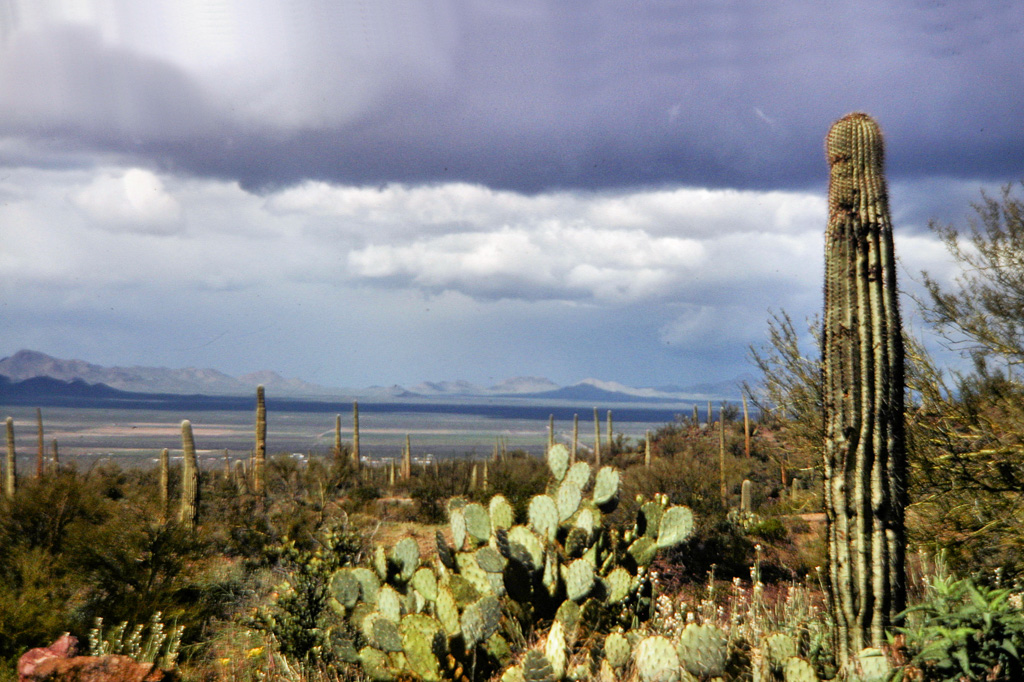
(477, 604)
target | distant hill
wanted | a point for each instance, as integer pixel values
(190, 381)
(27, 364)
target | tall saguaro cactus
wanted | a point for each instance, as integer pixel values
(597, 439)
(164, 482)
(259, 462)
(862, 347)
(189, 478)
(11, 475)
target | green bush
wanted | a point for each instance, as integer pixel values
(964, 630)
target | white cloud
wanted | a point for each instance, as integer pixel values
(131, 201)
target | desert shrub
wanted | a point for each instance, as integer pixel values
(965, 630)
(299, 619)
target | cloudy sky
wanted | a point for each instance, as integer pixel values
(361, 192)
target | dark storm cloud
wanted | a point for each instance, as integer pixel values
(533, 96)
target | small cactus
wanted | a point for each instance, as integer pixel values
(746, 496)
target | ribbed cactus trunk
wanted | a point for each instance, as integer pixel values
(862, 347)
(259, 461)
(487, 480)
(337, 437)
(55, 454)
(356, 461)
(189, 478)
(11, 472)
(597, 439)
(41, 457)
(551, 431)
(164, 482)
(611, 437)
(647, 449)
(407, 459)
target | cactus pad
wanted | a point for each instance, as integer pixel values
(649, 518)
(568, 500)
(478, 522)
(656, 660)
(543, 515)
(675, 527)
(345, 588)
(380, 562)
(447, 611)
(576, 542)
(471, 571)
(425, 583)
(480, 620)
(457, 522)
(382, 632)
(406, 557)
(579, 580)
(389, 603)
(558, 460)
(873, 665)
(490, 560)
(778, 648)
(376, 665)
(643, 550)
(444, 552)
(617, 585)
(703, 650)
(799, 670)
(528, 541)
(556, 650)
(606, 488)
(502, 514)
(617, 650)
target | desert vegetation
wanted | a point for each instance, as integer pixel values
(863, 522)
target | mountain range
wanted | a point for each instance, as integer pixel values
(28, 364)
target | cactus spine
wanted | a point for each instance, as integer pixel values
(164, 482)
(259, 462)
(862, 346)
(41, 459)
(189, 478)
(11, 478)
(597, 439)
(355, 435)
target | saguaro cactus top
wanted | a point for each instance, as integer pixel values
(865, 459)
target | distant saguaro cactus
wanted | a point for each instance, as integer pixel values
(189, 478)
(164, 482)
(862, 348)
(11, 475)
(746, 493)
(55, 451)
(647, 449)
(597, 439)
(611, 437)
(259, 462)
(551, 431)
(407, 459)
(337, 436)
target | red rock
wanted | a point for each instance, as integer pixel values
(58, 663)
(111, 668)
